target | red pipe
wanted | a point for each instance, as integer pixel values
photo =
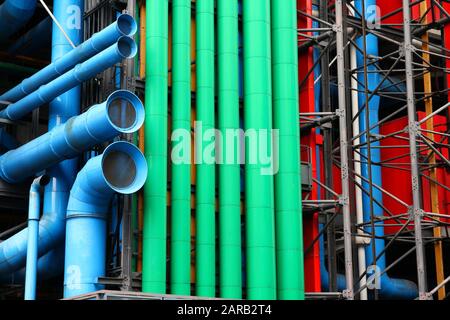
(310, 222)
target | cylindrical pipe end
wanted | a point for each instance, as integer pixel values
(125, 110)
(126, 25)
(124, 167)
(126, 47)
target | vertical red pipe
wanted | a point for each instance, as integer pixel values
(310, 222)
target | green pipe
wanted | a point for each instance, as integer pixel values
(288, 212)
(155, 189)
(229, 173)
(260, 225)
(180, 262)
(137, 38)
(205, 190)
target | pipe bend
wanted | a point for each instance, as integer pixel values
(392, 288)
(87, 210)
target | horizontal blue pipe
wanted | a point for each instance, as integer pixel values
(122, 112)
(14, 14)
(101, 123)
(33, 41)
(390, 288)
(125, 26)
(121, 168)
(123, 49)
(34, 207)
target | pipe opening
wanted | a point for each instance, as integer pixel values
(127, 25)
(127, 47)
(122, 113)
(119, 169)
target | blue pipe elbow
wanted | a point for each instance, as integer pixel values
(124, 48)
(122, 168)
(14, 14)
(121, 113)
(125, 26)
(34, 208)
(392, 289)
(324, 275)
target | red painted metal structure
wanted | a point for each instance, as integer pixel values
(308, 141)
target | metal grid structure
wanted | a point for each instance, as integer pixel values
(413, 54)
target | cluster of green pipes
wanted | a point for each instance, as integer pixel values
(273, 216)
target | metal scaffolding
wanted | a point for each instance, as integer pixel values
(412, 71)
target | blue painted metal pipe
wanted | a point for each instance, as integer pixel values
(390, 288)
(324, 274)
(7, 142)
(14, 14)
(101, 123)
(33, 41)
(125, 26)
(56, 195)
(121, 168)
(34, 208)
(49, 265)
(123, 49)
(122, 112)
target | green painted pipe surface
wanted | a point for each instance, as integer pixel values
(180, 260)
(229, 171)
(155, 189)
(260, 224)
(288, 213)
(205, 189)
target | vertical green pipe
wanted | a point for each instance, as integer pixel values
(205, 190)
(288, 213)
(155, 190)
(229, 173)
(181, 172)
(260, 224)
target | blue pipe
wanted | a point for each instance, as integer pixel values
(33, 41)
(70, 14)
(7, 142)
(100, 123)
(34, 208)
(324, 275)
(66, 59)
(390, 288)
(63, 142)
(121, 168)
(123, 49)
(14, 14)
(49, 265)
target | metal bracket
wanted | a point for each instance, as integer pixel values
(343, 201)
(337, 28)
(415, 212)
(414, 128)
(348, 294)
(340, 113)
